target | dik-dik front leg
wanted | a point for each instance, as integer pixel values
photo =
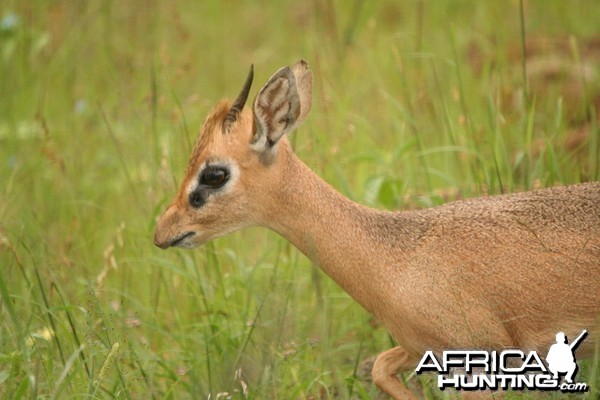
(385, 372)
(385, 376)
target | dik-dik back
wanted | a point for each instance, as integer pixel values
(505, 271)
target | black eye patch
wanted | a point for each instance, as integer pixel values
(211, 178)
(198, 198)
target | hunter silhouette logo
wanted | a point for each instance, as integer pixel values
(561, 356)
(508, 369)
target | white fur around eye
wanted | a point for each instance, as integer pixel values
(234, 176)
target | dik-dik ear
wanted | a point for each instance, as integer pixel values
(281, 105)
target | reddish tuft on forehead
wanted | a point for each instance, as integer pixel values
(210, 129)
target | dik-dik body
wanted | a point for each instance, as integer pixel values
(487, 273)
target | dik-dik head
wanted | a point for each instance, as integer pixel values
(235, 161)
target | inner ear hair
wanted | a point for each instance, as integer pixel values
(276, 107)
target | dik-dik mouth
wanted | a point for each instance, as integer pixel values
(180, 241)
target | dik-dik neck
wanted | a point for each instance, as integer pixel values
(355, 245)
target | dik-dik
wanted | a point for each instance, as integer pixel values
(490, 273)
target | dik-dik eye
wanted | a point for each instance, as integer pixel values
(215, 177)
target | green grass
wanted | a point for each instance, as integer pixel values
(415, 103)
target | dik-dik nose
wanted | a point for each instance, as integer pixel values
(160, 241)
(166, 232)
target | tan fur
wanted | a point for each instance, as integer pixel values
(486, 273)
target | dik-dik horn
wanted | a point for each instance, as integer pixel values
(491, 273)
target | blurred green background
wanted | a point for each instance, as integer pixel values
(416, 103)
